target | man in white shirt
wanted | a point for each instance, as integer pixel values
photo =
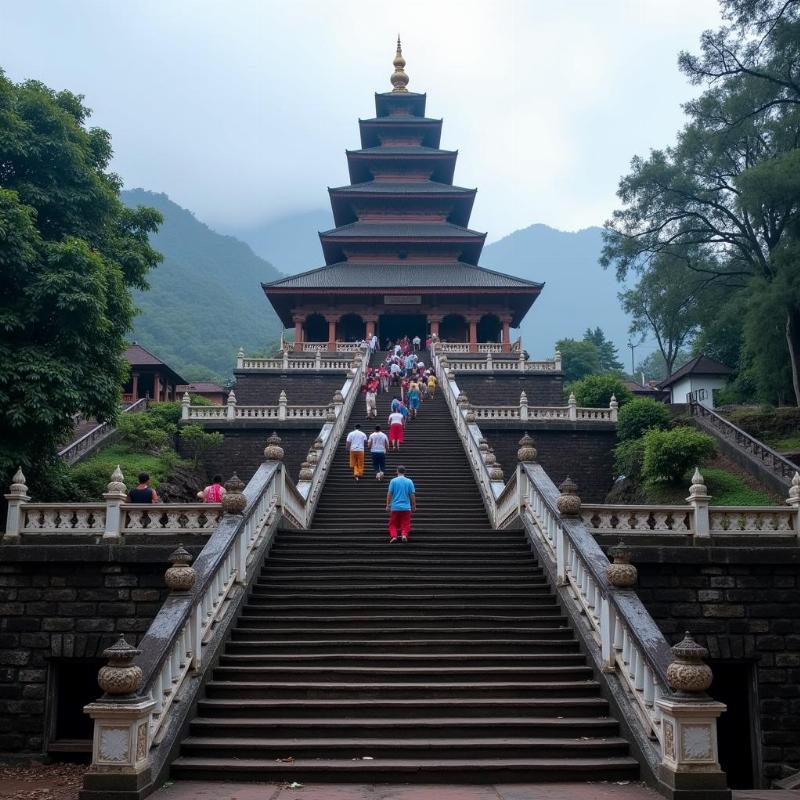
(373, 343)
(417, 342)
(378, 444)
(355, 446)
(396, 421)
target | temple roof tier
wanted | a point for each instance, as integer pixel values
(391, 104)
(397, 161)
(414, 197)
(379, 130)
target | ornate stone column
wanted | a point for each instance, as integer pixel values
(332, 319)
(298, 320)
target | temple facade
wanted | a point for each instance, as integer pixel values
(402, 259)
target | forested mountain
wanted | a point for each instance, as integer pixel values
(578, 293)
(290, 242)
(205, 299)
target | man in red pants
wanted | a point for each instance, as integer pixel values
(401, 501)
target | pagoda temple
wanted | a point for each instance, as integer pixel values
(402, 259)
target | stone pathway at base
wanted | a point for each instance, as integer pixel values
(202, 790)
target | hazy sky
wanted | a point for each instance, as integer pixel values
(241, 111)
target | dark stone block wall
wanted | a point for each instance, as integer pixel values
(504, 389)
(242, 449)
(63, 610)
(742, 612)
(585, 454)
(259, 388)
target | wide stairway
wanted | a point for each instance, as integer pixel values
(443, 659)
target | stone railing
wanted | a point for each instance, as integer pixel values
(74, 451)
(233, 412)
(139, 719)
(769, 459)
(503, 364)
(524, 412)
(287, 362)
(109, 521)
(698, 518)
(341, 347)
(619, 633)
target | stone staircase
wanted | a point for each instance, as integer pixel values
(443, 659)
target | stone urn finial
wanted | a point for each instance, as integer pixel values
(273, 451)
(18, 486)
(120, 676)
(527, 449)
(234, 501)
(186, 400)
(463, 400)
(483, 445)
(470, 415)
(306, 471)
(180, 577)
(573, 401)
(117, 484)
(496, 472)
(698, 488)
(568, 503)
(330, 414)
(613, 403)
(489, 458)
(688, 674)
(621, 573)
(338, 399)
(240, 354)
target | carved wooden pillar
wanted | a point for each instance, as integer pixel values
(135, 387)
(473, 333)
(157, 387)
(506, 334)
(332, 319)
(298, 320)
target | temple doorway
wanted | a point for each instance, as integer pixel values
(453, 328)
(315, 329)
(489, 328)
(351, 328)
(396, 326)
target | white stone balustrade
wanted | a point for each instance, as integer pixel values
(289, 363)
(524, 412)
(493, 364)
(232, 411)
(699, 517)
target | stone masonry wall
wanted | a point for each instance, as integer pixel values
(58, 610)
(308, 388)
(585, 454)
(741, 610)
(504, 389)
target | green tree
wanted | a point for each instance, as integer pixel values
(69, 254)
(727, 184)
(596, 391)
(639, 415)
(578, 358)
(654, 368)
(668, 455)
(198, 442)
(606, 350)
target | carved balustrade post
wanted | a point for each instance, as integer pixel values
(115, 495)
(318, 360)
(186, 401)
(793, 501)
(489, 362)
(523, 406)
(557, 359)
(285, 359)
(689, 755)
(231, 412)
(573, 406)
(282, 403)
(17, 496)
(240, 358)
(614, 408)
(699, 500)
(121, 744)
(521, 362)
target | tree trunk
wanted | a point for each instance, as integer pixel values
(793, 341)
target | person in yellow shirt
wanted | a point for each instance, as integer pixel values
(431, 385)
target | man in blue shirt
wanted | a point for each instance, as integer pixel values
(401, 500)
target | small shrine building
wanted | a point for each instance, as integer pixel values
(402, 259)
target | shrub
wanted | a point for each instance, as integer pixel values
(139, 432)
(165, 415)
(639, 415)
(594, 391)
(197, 442)
(628, 458)
(669, 454)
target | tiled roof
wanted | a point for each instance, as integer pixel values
(401, 230)
(403, 120)
(701, 365)
(139, 357)
(402, 150)
(345, 275)
(200, 386)
(400, 187)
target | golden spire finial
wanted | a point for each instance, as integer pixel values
(399, 78)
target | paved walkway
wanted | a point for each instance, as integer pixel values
(203, 790)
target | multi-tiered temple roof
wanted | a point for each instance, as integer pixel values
(401, 242)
